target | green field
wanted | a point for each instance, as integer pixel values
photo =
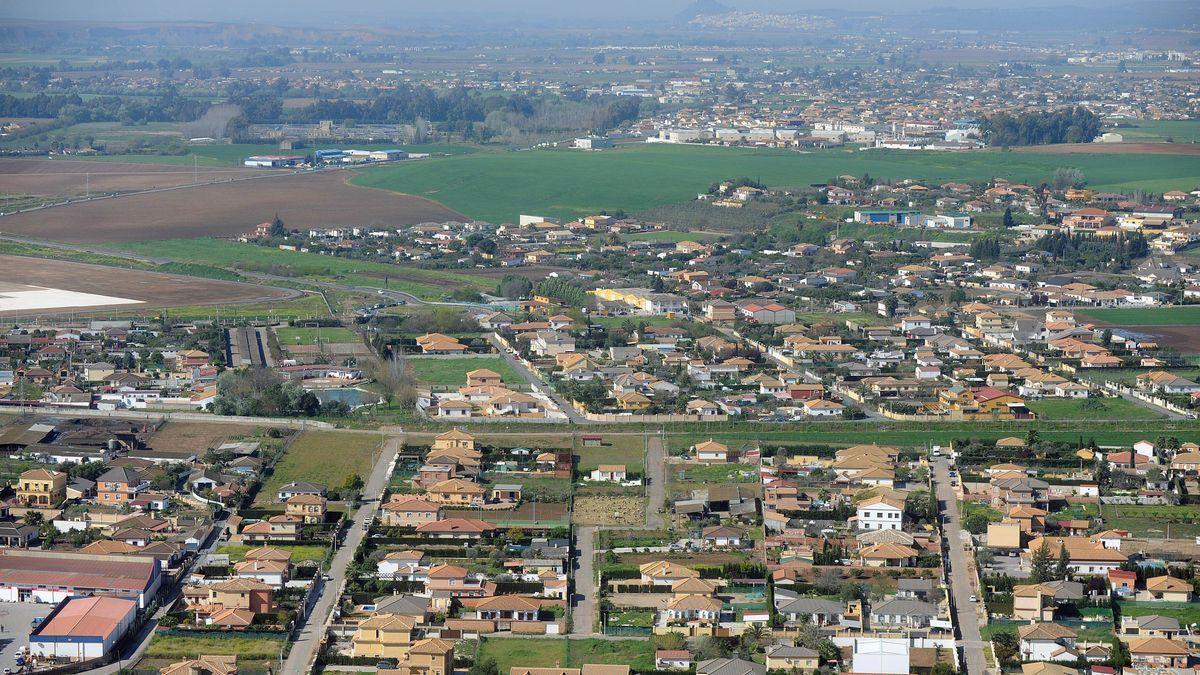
(308, 336)
(674, 236)
(497, 186)
(1179, 131)
(1091, 409)
(307, 306)
(1187, 315)
(454, 371)
(324, 457)
(627, 450)
(300, 553)
(525, 653)
(426, 284)
(1187, 612)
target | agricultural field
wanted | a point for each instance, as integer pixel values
(312, 267)
(638, 177)
(1091, 409)
(453, 372)
(226, 209)
(148, 291)
(68, 177)
(300, 335)
(510, 652)
(1183, 521)
(1145, 319)
(1179, 131)
(1188, 613)
(325, 457)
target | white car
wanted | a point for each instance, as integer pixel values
(974, 599)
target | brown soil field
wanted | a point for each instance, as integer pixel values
(1114, 149)
(319, 199)
(1184, 338)
(67, 177)
(607, 510)
(153, 288)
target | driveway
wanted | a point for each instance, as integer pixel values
(962, 572)
(583, 602)
(304, 647)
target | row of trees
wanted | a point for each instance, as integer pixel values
(257, 392)
(1066, 125)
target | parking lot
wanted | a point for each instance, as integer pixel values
(15, 620)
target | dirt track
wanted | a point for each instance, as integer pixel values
(155, 289)
(321, 199)
(68, 177)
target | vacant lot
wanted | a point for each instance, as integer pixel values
(300, 553)
(1182, 522)
(629, 450)
(67, 177)
(308, 336)
(324, 457)
(454, 371)
(253, 647)
(227, 209)
(609, 510)
(1091, 409)
(190, 437)
(154, 289)
(510, 652)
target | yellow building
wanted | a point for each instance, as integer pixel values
(309, 507)
(385, 636)
(454, 440)
(41, 487)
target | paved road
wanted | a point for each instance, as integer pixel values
(962, 573)
(536, 381)
(304, 647)
(583, 602)
(1171, 414)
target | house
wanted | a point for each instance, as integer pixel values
(672, 659)
(723, 536)
(408, 511)
(902, 613)
(41, 487)
(1158, 653)
(1151, 625)
(664, 573)
(81, 629)
(506, 608)
(119, 485)
(203, 665)
(730, 666)
(483, 377)
(793, 659)
(1166, 588)
(710, 452)
(880, 513)
(611, 473)
(406, 565)
(387, 636)
(888, 555)
(456, 492)
(1047, 642)
(309, 508)
(293, 489)
(817, 611)
(453, 440)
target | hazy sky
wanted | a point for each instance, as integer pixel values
(397, 12)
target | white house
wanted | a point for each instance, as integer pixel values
(880, 513)
(610, 473)
(880, 656)
(1047, 642)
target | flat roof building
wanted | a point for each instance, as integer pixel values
(46, 576)
(83, 628)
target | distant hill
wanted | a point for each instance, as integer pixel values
(700, 7)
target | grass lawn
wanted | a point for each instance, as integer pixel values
(454, 371)
(1180, 131)
(509, 652)
(637, 618)
(300, 553)
(423, 283)
(308, 306)
(1187, 612)
(1186, 315)
(627, 450)
(674, 235)
(187, 646)
(642, 176)
(324, 457)
(1091, 409)
(719, 473)
(308, 336)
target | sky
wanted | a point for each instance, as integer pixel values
(397, 12)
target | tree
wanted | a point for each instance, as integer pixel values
(1008, 217)
(514, 287)
(277, 228)
(1062, 570)
(1066, 176)
(485, 666)
(1041, 565)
